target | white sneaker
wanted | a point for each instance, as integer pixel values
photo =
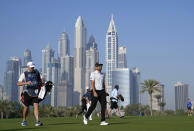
(85, 120)
(90, 118)
(103, 123)
(24, 123)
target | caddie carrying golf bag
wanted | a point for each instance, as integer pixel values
(28, 99)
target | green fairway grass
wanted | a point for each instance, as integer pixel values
(164, 123)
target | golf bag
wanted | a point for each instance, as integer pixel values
(26, 97)
(120, 97)
(45, 89)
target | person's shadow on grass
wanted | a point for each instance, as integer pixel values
(20, 129)
(65, 123)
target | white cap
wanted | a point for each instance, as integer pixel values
(31, 64)
(87, 87)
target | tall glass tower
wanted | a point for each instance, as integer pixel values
(27, 56)
(47, 56)
(63, 45)
(181, 95)
(111, 53)
(121, 77)
(134, 85)
(48, 68)
(11, 77)
(122, 60)
(80, 60)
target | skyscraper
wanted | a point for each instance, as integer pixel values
(11, 77)
(66, 81)
(53, 75)
(134, 86)
(27, 57)
(64, 94)
(47, 59)
(80, 59)
(181, 95)
(47, 56)
(121, 77)
(92, 56)
(63, 45)
(111, 53)
(122, 60)
(67, 69)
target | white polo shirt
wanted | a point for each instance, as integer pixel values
(99, 79)
(21, 78)
(115, 94)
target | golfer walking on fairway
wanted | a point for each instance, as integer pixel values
(99, 94)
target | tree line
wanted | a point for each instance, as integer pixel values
(14, 110)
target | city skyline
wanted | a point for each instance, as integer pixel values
(158, 39)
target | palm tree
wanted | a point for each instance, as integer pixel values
(162, 104)
(158, 97)
(150, 86)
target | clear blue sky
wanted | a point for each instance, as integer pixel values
(158, 34)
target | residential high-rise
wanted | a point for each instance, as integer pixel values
(111, 53)
(64, 94)
(181, 95)
(134, 86)
(92, 56)
(121, 77)
(53, 75)
(67, 69)
(156, 101)
(27, 57)
(11, 77)
(47, 69)
(66, 72)
(47, 56)
(67, 79)
(79, 60)
(122, 60)
(63, 45)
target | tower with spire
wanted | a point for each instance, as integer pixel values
(111, 51)
(80, 60)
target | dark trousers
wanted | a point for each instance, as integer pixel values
(102, 99)
(84, 107)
